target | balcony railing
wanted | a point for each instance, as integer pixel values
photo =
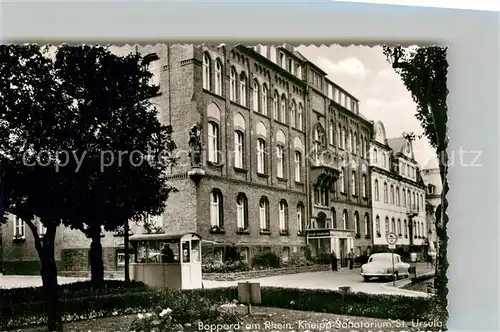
(412, 209)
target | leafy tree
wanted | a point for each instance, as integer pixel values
(424, 73)
(127, 150)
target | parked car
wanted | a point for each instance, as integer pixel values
(380, 266)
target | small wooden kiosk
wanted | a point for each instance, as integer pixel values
(167, 261)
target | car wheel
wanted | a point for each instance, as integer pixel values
(366, 279)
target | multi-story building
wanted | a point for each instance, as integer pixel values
(434, 185)
(398, 192)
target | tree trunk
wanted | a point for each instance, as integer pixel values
(441, 224)
(96, 262)
(48, 272)
(127, 251)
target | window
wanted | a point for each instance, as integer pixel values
(216, 214)
(275, 106)
(19, 228)
(263, 105)
(241, 211)
(293, 114)
(291, 66)
(330, 91)
(356, 143)
(404, 197)
(283, 216)
(339, 136)
(299, 71)
(341, 179)
(366, 224)
(386, 196)
(206, 72)
(331, 133)
(344, 219)
(363, 185)
(357, 226)
(398, 197)
(349, 141)
(345, 138)
(393, 225)
(422, 202)
(264, 214)
(272, 53)
(386, 225)
(414, 202)
(405, 225)
(408, 198)
(238, 149)
(392, 194)
(232, 85)
(243, 90)
(399, 227)
(261, 157)
(213, 142)
(218, 77)
(300, 217)
(298, 166)
(376, 190)
(353, 183)
(282, 60)
(283, 109)
(319, 141)
(280, 151)
(377, 224)
(374, 156)
(255, 96)
(334, 218)
(363, 147)
(42, 230)
(300, 114)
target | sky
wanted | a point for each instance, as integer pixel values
(365, 73)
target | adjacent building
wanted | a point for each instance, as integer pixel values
(434, 187)
(398, 192)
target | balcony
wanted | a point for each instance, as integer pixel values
(412, 210)
(325, 169)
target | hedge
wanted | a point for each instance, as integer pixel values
(328, 301)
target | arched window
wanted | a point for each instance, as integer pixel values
(377, 193)
(386, 225)
(264, 214)
(392, 194)
(399, 227)
(298, 166)
(243, 90)
(239, 154)
(232, 85)
(261, 156)
(377, 225)
(242, 212)
(386, 195)
(293, 114)
(213, 142)
(206, 71)
(414, 202)
(218, 77)
(283, 109)
(362, 142)
(345, 220)
(367, 225)
(339, 136)
(283, 215)
(300, 217)
(331, 133)
(398, 197)
(264, 100)
(375, 156)
(300, 117)
(216, 213)
(404, 197)
(280, 161)
(275, 106)
(349, 141)
(405, 225)
(356, 143)
(342, 180)
(255, 96)
(393, 225)
(363, 185)
(334, 218)
(344, 138)
(357, 226)
(408, 199)
(353, 183)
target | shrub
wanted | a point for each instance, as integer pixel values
(237, 266)
(355, 304)
(72, 290)
(266, 259)
(322, 258)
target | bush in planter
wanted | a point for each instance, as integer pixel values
(266, 259)
(322, 258)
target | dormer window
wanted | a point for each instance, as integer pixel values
(283, 60)
(431, 189)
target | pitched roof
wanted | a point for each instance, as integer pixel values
(396, 144)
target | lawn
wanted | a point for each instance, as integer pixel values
(262, 319)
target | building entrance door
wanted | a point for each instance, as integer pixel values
(343, 252)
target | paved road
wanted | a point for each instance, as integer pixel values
(308, 280)
(328, 280)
